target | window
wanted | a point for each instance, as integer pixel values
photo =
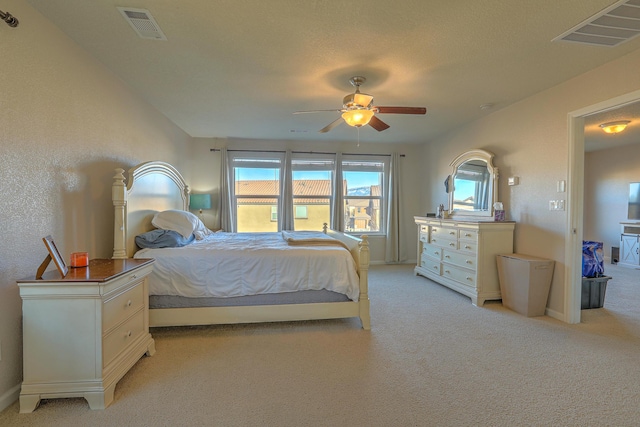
(301, 212)
(258, 202)
(312, 190)
(256, 190)
(364, 201)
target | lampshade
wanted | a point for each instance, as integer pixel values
(200, 201)
(615, 127)
(357, 118)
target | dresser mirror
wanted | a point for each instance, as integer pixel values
(472, 185)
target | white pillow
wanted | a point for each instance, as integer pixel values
(201, 231)
(182, 222)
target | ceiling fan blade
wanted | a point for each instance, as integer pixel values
(317, 111)
(378, 124)
(401, 110)
(331, 125)
(362, 99)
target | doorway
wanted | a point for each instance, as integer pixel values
(575, 200)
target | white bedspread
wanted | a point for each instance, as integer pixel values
(238, 264)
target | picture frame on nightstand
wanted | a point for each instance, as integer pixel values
(54, 255)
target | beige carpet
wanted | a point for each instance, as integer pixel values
(431, 359)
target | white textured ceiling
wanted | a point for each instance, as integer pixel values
(240, 68)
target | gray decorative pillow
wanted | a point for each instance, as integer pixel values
(159, 238)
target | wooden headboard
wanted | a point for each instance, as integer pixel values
(148, 188)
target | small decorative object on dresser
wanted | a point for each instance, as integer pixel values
(461, 255)
(83, 332)
(54, 255)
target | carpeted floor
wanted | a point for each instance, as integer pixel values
(431, 359)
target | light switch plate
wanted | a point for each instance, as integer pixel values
(561, 186)
(513, 180)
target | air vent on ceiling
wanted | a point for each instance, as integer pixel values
(142, 23)
(616, 24)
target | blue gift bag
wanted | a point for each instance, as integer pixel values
(592, 259)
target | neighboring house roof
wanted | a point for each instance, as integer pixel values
(271, 187)
(301, 187)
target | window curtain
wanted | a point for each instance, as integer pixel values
(392, 249)
(227, 221)
(337, 202)
(285, 216)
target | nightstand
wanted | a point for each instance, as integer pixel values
(82, 333)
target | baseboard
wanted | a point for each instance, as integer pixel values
(9, 397)
(555, 314)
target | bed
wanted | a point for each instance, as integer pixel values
(154, 187)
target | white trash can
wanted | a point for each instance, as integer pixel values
(524, 283)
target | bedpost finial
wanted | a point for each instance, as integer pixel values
(324, 228)
(119, 176)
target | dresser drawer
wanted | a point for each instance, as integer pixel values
(468, 246)
(444, 242)
(430, 264)
(444, 233)
(470, 235)
(465, 277)
(432, 251)
(460, 259)
(119, 339)
(122, 306)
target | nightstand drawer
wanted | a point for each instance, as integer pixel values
(120, 338)
(122, 306)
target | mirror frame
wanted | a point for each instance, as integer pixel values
(487, 157)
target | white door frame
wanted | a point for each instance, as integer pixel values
(575, 201)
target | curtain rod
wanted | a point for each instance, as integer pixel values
(306, 152)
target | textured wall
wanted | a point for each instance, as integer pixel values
(66, 123)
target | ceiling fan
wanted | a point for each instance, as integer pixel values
(358, 110)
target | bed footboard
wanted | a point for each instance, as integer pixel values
(359, 248)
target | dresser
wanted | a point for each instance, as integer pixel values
(461, 255)
(83, 332)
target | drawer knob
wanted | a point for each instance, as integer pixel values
(470, 278)
(447, 256)
(452, 244)
(135, 276)
(467, 247)
(469, 261)
(447, 271)
(128, 334)
(129, 303)
(437, 253)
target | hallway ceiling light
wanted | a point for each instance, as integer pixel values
(615, 127)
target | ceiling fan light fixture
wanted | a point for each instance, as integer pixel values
(615, 127)
(357, 118)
